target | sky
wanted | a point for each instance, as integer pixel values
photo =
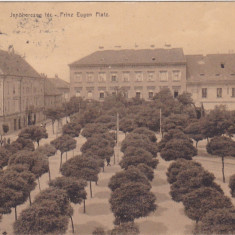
(51, 42)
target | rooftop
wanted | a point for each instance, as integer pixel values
(50, 88)
(211, 66)
(141, 56)
(59, 83)
(13, 64)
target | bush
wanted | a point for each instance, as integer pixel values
(218, 221)
(192, 179)
(198, 202)
(178, 148)
(144, 131)
(98, 231)
(232, 185)
(47, 149)
(178, 166)
(125, 229)
(148, 171)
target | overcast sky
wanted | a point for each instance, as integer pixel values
(49, 44)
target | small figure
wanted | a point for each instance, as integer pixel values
(108, 161)
(4, 141)
(9, 141)
(41, 124)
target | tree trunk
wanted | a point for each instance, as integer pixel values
(207, 139)
(38, 143)
(61, 160)
(49, 173)
(103, 168)
(15, 213)
(39, 185)
(30, 202)
(90, 189)
(53, 130)
(72, 223)
(84, 206)
(196, 143)
(223, 169)
(114, 158)
(73, 152)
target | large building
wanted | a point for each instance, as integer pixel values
(142, 73)
(21, 92)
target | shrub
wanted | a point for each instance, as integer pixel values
(232, 185)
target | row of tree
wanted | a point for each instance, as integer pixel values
(195, 187)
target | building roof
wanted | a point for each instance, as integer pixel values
(141, 56)
(211, 67)
(50, 89)
(13, 64)
(59, 83)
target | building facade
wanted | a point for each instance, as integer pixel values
(62, 86)
(21, 92)
(53, 97)
(141, 73)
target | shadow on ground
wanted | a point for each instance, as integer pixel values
(152, 228)
(102, 195)
(96, 209)
(85, 229)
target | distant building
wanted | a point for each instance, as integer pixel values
(141, 73)
(21, 92)
(211, 79)
(53, 97)
(62, 86)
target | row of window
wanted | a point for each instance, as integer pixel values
(151, 76)
(219, 92)
(138, 94)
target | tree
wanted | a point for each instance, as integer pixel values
(75, 188)
(47, 149)
(174, 121)
(132, 174)
(28, 176)
(64, 143)
(194, 131)
(34, 133)
(99, 231)
(185, 99)
(36, 162)
(94, 128)
(14, 191)
(232, 185)
(217, 221)
(108, 120)
(148, 171)
(125, 229)
(135, 156)
(178, 166)
(221, 146)
(178, 148)
(122, 202)
(140, 141)
(192, 179)
(144, 131)
(72, 129)
(198, 202)
(4, 157)
(127, 124)
(53, 114)
(48, 214)
(5, 128)
(81, 167)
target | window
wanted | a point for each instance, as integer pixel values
(219, 92)
(101, 95)
(90, 77)
(176, 93)
(150, 76)
(163, 76)
(113, 77)
(176, 74)
(102, 77)
(126, 76)
(222, 65)
(78, 94)
(150, 94)
(139, 76)
(78, 77)
(233, 92)
(89, 95)
(204, 92)
(138, 94)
